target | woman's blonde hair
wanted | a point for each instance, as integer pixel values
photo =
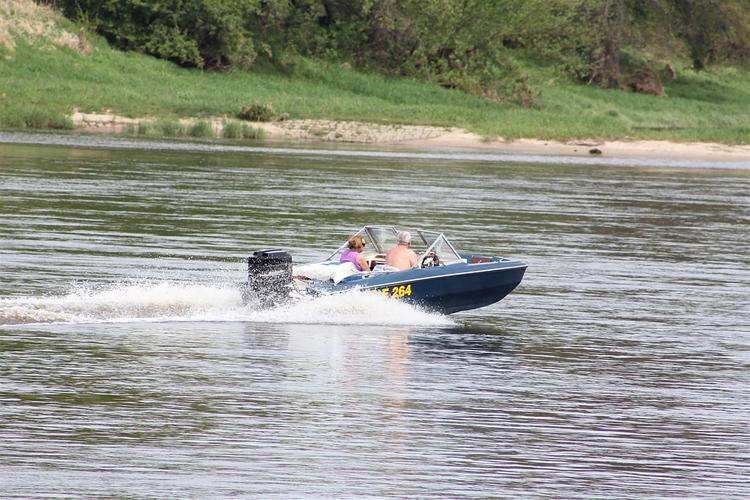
(356, 241)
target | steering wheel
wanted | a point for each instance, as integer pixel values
(430, 260)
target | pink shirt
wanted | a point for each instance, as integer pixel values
(351, 256)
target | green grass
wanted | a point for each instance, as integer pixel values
(144, 128)
(201, 128)
(42, 87)
(169, 128)
(233, 129)
(35, 117)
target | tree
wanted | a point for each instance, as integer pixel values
(467, 44)
(201, 33)
(714, 30)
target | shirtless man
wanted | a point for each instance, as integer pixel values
(401, 256)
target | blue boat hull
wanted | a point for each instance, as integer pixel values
(446, 289)
(469, 291)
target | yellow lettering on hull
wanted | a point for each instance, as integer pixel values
(396, 292)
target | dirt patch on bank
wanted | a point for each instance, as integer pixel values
(355, 132)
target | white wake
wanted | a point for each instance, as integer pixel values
(175, 301)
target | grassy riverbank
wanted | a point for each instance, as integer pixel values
(41, 86)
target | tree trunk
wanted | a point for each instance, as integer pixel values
(614, 17)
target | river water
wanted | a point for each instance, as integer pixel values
(619, 368)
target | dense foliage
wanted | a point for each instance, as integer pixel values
(470, 44)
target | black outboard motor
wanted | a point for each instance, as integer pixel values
(269, 277)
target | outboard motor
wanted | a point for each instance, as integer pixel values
(269, 277)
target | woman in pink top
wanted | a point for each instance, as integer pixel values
(354, 255)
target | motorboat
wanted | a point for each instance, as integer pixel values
(444, 280)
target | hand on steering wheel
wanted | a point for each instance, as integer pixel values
(430, 260)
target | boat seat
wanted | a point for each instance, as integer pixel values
(382, 268)
(476, 259)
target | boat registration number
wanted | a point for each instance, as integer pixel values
(396, 292)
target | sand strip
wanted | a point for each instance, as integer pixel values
(440, 138)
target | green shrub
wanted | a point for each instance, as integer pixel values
(11, 120)
(232, 130)
(35, 119)
(170, 128)
(236, 130)
(199, 33)
(256, 112)
(252, 132)
(201, 129)
(61, 122)
(38, 118)
(144, 128)
(471, 45)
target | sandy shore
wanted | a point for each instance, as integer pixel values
(426, 137)
(667, 150)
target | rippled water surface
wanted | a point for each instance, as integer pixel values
(129, 367)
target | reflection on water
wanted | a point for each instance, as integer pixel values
(129, 366)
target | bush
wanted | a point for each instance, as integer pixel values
(201, 129)
(252, 132)
(232, 130)
(35, 119)
(144, 128)
(524, 94)
(463, 44)
(199, 33)
(256, 112)
(43, 119)
(236, 130)
(170, 129)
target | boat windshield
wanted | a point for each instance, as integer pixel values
(439, 245)
(380, 239)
